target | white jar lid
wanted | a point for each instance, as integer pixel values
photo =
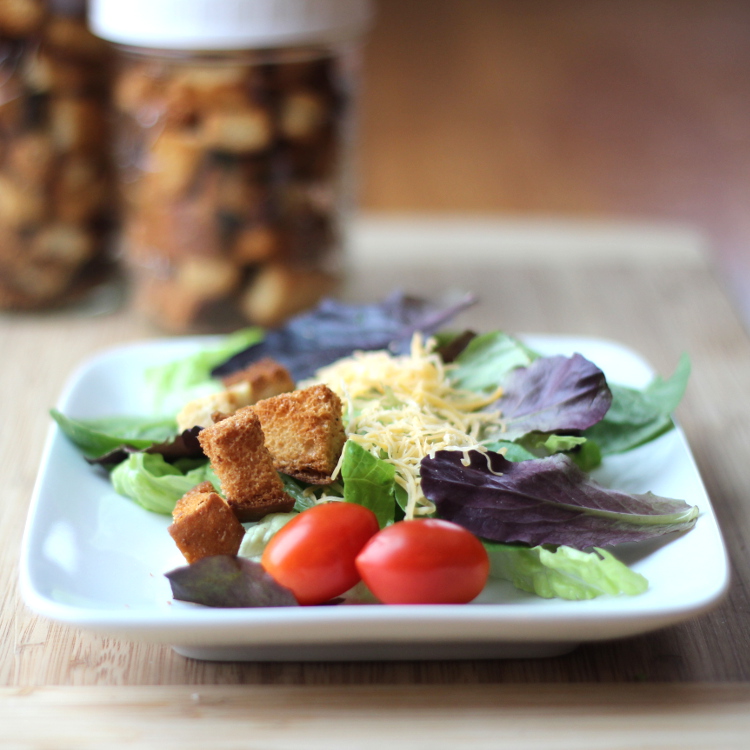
(227, 24)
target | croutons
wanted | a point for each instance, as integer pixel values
(260, 380)
(235, 446)
(278, 292)
(267, 378)
(197, 413)
(304, 432)
(205, 525)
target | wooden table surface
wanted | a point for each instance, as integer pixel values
(647, 287)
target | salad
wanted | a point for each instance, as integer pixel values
(447, 457)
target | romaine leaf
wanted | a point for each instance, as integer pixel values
(544, 501)
(553, 394)
(155, 484)
(168, 387)
(334, 330)
(369, 481)
(225, 581)
(258, 535)
(636, 417)
(487, 359)
(293, 488)
(95, 437)
(563, 572)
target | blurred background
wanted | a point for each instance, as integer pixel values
(230, 170)
(576, 108)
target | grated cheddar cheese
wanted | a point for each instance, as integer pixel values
(403, 408)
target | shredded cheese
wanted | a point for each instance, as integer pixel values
(403, 408)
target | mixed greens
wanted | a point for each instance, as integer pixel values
(523, 489)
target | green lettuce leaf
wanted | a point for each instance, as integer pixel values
(637, 417)
(563, 572)
(156, 485)
(258, 535)
(369, 481)
(296, 490)
(170, 386)
(511, 451)
(483, 364)
(95, 437)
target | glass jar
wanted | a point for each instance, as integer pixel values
(56, 178)
(234, 138)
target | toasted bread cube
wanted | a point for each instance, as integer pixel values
(31, 157)
(185, 502)
(278, 292)
(260, 380)
(21, 17)
(78, 124)
(267, 378)
(210, 278)
(239, 131)
(173, 162)
(304, 432)
(199, 411)
(302, 115)
(20, 205)
(256, 244)
(65, 244)
(205, 525)
(236, 448)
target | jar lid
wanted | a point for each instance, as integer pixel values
(227, 24)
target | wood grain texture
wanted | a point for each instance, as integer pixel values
(659, 309)
(282, 717)
(583, 107)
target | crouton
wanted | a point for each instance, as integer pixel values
(304, 432)
(236, 448)
(267, 377)
(245, 130)
(260, 380)
(185, 502)
(197, 413)
(205, 525)
(277, 292)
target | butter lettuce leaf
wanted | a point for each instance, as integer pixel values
(563, 572)
(157, 485)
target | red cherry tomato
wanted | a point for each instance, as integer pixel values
(313, 555)
(424, 561)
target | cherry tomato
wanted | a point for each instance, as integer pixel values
(425, 561)
(313, 555)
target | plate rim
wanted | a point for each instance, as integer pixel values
(219, 627)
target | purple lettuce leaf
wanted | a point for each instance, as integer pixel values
(183, 445)
(544, 501)
(334, 330)
(226, 581)
(553, 394)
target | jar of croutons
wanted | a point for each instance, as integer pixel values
(57, 185)
(234, 150)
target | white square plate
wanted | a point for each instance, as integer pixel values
(96, 560)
